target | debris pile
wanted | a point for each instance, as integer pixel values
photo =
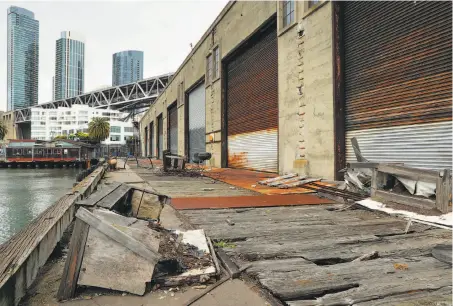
(288, 181)
(120, 247)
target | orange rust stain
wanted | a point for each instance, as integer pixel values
(237, 159)
(248, 179)
(399, 266)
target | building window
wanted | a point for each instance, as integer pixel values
(209, 68)
(115, 137)
(115, 129)
(128, 129)
(288, 13)
(216, 59)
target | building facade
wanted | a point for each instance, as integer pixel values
(23, 58)
(283, 87)
(127, 67)
(69, 80)
(49, 123)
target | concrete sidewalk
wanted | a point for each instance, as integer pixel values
(230, 293)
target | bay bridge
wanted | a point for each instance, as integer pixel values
(126, 98)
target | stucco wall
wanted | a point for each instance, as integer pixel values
(238, 21)
(289, 97)
(318, 92)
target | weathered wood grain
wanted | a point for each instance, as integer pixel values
(114, 197)
(229, 265)
(440, 297)
(358, 281)
(304, 253)
(99, 194)
(108, 264)
(17, 248)
(117, 235)
(68, 283)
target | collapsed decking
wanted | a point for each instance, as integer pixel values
(314, 254)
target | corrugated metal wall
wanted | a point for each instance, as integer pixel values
(197, 121)
(160, 140)
(252, 104)
(398, 63)
(173, 129)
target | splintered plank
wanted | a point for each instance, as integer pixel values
(290, 180)
(118, 268)
(99, 195)
(278, 178)
(355, 282)
(114, 197)
(117, 235)
(73, 263)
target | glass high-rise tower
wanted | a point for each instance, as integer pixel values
(69, 66)
(127, 67)
(23, 58)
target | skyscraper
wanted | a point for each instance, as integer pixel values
(23, 58)
(127, 67)
(69, 65)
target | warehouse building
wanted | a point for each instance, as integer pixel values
(283, 86)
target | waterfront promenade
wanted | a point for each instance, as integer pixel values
(290, 250)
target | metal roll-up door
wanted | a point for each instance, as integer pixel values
(197, 121)
(146, 141)
(398, 98)
(151, 139)
(160, 140)
(252, 104)
(173, 129)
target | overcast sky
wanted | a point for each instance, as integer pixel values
(163, 30)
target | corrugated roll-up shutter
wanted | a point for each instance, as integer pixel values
(252, 105)
(173, 129)
(146, 141)
(151, 139)
(398, 98)
(197, 121)
(160, 140)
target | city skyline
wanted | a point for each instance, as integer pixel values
(105, 36)
(22, 58)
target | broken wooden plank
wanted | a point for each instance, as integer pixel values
(214, 256)
(355, 282)
(118, 236)
(298, 183)
(274, 179)
(415, 174)
(406, 200)
(229, 265)
(287, 181)
(99, 195)
(114, 197)
(73, 263)
(119, 268)
(443, 192)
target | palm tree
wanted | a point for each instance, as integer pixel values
(99, 129)
(3, 130)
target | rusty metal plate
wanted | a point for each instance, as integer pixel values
(247, 201)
